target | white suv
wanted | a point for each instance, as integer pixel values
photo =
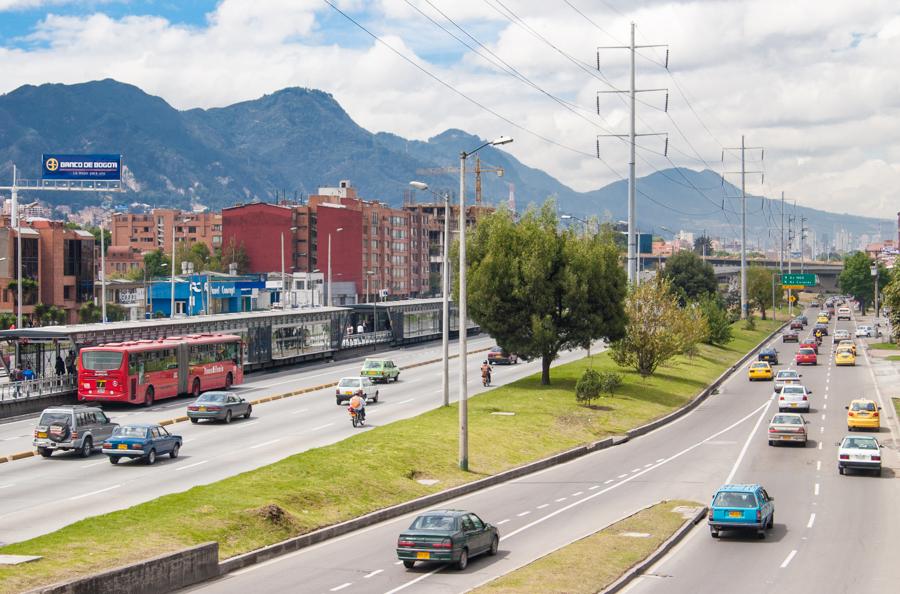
(843, 313)
(77, 428)
(349, 387)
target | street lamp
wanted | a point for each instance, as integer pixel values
(330, 288)
(445, 282)
(175, 222)
(463, 314)
(874, 271)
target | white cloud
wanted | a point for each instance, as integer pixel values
(811, 80)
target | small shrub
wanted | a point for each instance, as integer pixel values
(588, 387)
(750, 323)
(610, 381)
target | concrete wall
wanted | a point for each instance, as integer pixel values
(165, 573)
(24, 406)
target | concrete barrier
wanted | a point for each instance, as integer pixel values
(23, 406)
(165, 573)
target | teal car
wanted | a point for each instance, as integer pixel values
(447, 536)
(741, 507)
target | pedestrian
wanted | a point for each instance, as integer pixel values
(360, 329)
(70, 363)
(60, 366)
(27, 373)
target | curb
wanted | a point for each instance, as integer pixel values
(656, 555)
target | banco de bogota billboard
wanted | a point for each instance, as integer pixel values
(81, 167)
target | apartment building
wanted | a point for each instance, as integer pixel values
(154, 230)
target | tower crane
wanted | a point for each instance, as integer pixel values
(478, 170)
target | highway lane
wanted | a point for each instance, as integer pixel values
(833, 533)
(539, 513)
(40, 495)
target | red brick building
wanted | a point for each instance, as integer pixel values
(148, 232)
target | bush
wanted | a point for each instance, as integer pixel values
(750, 323)
(589, 387)
(717, 320)
(610, 381)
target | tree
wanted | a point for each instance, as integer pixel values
(759, 288)
(29, 290)
(655, 331)
(539, 290)
(588, 387)
(157, 263)
(690, 275)
(89, 313)
(197, 254)
(7, 319)
(718, 322)
(233, 253)
(703, 245)
(47, 315)
(695, 329)
(891, 301)
(856, 279)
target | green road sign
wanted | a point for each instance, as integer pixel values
(800, 280)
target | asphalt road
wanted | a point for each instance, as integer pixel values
(724, 439)
(40, 495)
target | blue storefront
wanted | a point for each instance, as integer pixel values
(201, 294)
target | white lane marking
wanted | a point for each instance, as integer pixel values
(374, 573)
(248, 424)
(403, 401)
(322, 426)
(635, 469)
(265, 443)
(622, 475)
(503, 521)
(816, 489)
(823, 417)
(341, 587)
(812, 520)
(191, 465)
(94, 493)
(577, 493)
(7, 486)
(87, 465)
(608, 482)
(594, 487)
(824, 407)
(821, 429)
(648, 465)
(820, 445)
(788, 559)
(740, 457)
(398, 562)
(561, 499)
(818, 465)
(524, 513)
(298, 411)
(543, 505)
(661, 460)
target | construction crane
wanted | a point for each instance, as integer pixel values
(478, 170)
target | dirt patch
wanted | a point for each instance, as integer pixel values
(274, 514)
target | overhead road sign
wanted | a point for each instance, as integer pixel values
(797, 280)
(57, 166)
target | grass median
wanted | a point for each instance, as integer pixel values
(373, 469)
(884, 346)
(591, 564)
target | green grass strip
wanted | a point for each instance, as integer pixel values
(588, 565)
(373, 469)
(884, 346)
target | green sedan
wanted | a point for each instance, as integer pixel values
(448, 536)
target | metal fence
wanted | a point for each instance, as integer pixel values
(365, 338)
(36, 388)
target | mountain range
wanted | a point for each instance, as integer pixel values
(290, 143)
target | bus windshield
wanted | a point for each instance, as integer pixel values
(101, 360)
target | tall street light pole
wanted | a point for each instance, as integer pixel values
(445, 283)
(330, 288)
(463, 313)
(18, 228)
(102, 275)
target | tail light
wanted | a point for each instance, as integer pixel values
(876, 458)
(759, 515)
(804, 397)
(405, 543)
(844, 457)
(444, 544)
(137, 446)
(106, 445)
(214, 408)
(35, 432)
(74, 435)
(773, 430)
(337, 392)
(193, 408)
(851, 414)
(875, 414)
(781, 397)
(709, 514)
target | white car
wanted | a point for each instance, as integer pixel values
(794, 397)
(785, 377)
(859, 453)
(841, 334)
(349, 387)
(863, 331)
(843, 313)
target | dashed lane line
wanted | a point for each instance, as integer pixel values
(372, 574)
(816, 489)
(265, 443)
(341, 587)
(191, 465)
(788, 559)
(812, 520)
(92, 493)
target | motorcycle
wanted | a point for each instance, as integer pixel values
(358, 418)
(486, 378)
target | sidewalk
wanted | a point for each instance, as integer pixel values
(886, 375)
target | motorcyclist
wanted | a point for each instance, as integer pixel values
(358, 404)
(486, 373)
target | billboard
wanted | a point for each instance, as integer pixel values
(81, 167)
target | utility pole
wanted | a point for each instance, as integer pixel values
(632, 262)
(802, 241)
(745, 305)
(781, 257)
(790, 260)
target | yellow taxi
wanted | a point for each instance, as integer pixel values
(760, 370)
(822, 319)
(863, 414)
(844, 356)
(847, 344)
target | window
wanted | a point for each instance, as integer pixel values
(101, 360)
(476, 521)
(68, 292)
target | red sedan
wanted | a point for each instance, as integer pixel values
(810, 343)
(806, 356)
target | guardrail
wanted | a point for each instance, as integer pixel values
(366, 338)
(37, 388)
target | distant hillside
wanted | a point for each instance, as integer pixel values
(296, 140)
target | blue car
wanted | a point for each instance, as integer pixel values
(141, 441)
(741, 507)
(768, 354)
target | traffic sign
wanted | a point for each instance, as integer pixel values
(799, 280)
(792, 298)
(786, 287)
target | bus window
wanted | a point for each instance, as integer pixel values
(101, 360)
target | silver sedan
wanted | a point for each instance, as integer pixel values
(787, 427)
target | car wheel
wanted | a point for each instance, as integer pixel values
(151, 458)
(396, 378)
(771, 523)
(495, 546)
(148, 397)
(771, 442)
(193, 420)
(376, 396)
(463, 560)
(840, 470)
(408, 563)
(227, 416)
(87, 447)
(45, 452)
(195, 388)
(338, 401)
(174, 452)
(877, 472)
(714, 533)
(249, 410)
(114, 460)
(760, 534)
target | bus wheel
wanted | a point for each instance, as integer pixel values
(148, 397)
(195, 389)
(229, 379)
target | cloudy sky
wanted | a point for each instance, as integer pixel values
(815, 82)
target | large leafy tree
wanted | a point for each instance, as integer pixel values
(759, 288)
(539, 290)
(689, 275)
(157, 263)
(856, 279)
(703, 244)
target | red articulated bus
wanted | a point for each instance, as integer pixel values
(143, 371)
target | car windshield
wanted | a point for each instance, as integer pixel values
(860, 443)
(433, 522)
(792, 390)
(350, 382)
(372, 365)
(212, 397)
(869, 406)
(48, 418)
(807, 352)
(787, 375)
(760, 366)
(733, 499)
(129, 431)
(787, 420)
(101, 360)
